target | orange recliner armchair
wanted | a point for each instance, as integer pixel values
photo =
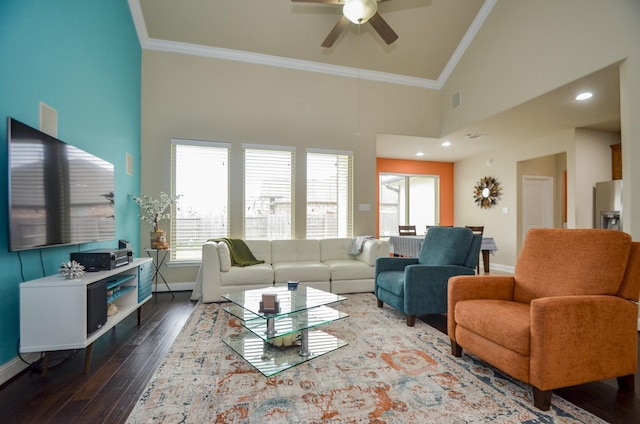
(567, 316)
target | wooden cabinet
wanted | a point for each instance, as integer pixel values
(616, 161)
(53, 309)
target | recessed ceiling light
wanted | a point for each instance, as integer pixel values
(446, 144)
(419, 154)
(584, 96)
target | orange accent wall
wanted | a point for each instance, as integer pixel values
(443, 169)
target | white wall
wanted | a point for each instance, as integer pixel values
(211, 99)
(524, 50)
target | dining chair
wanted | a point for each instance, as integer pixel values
(407, 230)
(477, 230)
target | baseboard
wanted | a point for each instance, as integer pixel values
(502, 268)
(16, 366)
(181, 286)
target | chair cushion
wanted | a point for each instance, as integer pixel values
(561, 262)
(392, 281)
(445, 246)
(507, 325)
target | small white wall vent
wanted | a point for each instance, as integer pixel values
(129, 163)
(456, 100)
(48, 120)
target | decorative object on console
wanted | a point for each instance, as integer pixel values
(153, 211)
(112, 309)
(486, 192)
(72, 270)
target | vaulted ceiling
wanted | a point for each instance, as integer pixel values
(433, 34)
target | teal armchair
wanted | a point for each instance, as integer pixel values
(418, 286)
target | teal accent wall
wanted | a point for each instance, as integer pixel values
(82, 58)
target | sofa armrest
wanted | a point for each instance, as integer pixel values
(210, 273)
(577, 339)
(466, 287)
(371, 250)
(393, 264)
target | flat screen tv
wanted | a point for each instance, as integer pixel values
(58, 194)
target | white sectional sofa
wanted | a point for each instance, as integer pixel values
(324, 264)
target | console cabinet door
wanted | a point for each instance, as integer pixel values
(145, 279)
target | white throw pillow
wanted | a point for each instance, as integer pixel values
(225, 257)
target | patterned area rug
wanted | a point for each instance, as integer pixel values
(388, 373)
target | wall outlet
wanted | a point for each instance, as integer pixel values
(505, 210)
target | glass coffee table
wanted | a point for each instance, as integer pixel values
(301, 311)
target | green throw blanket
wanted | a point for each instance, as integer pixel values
(240, 253)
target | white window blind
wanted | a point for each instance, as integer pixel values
(201, 177)
(329, 194)
(268, 193)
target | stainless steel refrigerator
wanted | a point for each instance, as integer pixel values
(608, 205)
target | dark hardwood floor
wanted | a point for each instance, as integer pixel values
(125, 358)
(123, 361)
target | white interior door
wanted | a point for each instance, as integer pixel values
(537, 203)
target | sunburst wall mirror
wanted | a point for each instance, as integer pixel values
(487, 192)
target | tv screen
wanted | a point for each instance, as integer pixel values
(58, 194)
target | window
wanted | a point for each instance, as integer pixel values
(201, 177)
(329, 194)
(268, 193)
(408, 200)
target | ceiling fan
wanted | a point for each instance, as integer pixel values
(358, 12)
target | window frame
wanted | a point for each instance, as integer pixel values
(175, 143)
(347, 199)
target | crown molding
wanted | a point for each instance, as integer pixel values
(138, 21)
(305, 65)
(283, 62)
(482, 15)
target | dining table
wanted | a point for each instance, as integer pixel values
(409, 246)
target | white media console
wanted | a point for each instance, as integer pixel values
(53, 309)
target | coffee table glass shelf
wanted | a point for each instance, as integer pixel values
(301, 311)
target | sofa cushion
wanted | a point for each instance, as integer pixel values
(337, 248)
(300, 271)
(295, 250)
(261, 249)
(349, 269)
(507, 325)
(225, 256)
(248, 275)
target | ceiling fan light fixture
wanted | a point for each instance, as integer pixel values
(359, 11)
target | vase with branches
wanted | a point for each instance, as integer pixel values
(154, 210)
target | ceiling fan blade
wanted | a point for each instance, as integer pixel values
(335, 32)
(317, 1)
(383, 28)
